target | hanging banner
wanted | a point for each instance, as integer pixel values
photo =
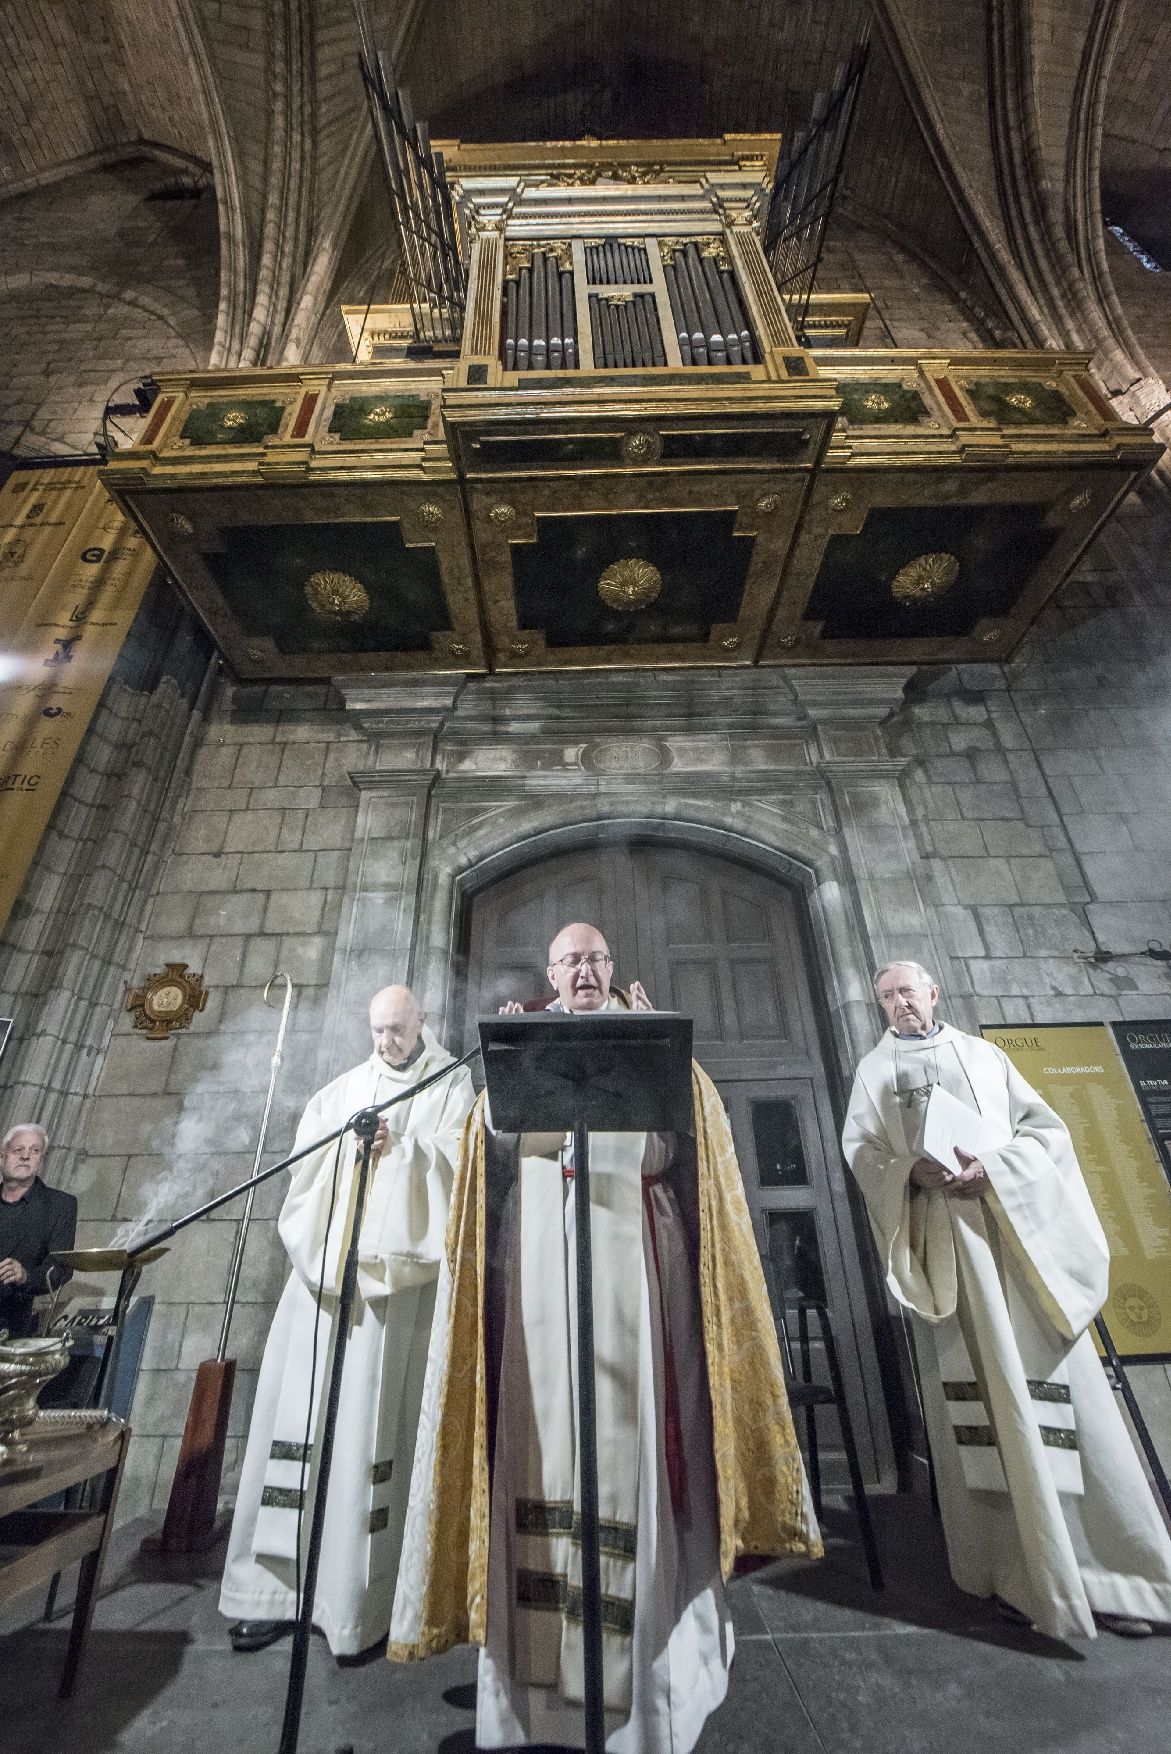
(1080, 1073)
(72, 575)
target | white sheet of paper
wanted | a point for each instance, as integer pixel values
(949, 1122)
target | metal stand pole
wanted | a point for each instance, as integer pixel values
(587, 1437)
(246, 1216)
(1162, 1485)
(104, 1387)
(365, 1126)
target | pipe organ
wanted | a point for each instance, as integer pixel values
(612, 449)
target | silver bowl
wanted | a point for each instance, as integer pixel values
(25, 1367)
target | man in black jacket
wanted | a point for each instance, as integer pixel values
(34, 1219)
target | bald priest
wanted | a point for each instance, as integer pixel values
(697, 1458)
(989, 1238)
(400, 1246)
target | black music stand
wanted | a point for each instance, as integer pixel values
(591, 1072)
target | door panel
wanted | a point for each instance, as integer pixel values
(723, 944)
(804, 1231)
(514, 921)
(738, 927)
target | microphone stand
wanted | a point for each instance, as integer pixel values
(364, 1124)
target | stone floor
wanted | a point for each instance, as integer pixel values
(822, 1664)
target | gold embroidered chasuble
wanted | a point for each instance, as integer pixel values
(759, 1473)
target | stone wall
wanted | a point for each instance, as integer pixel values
(910, 305)
(252, 885)
(99, 285)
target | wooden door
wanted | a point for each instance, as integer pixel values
(722, 943)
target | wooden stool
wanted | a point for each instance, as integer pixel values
(808, 1395)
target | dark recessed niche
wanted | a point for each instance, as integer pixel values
(703, 566)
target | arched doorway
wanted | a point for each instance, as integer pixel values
(725, 943)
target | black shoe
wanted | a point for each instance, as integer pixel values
(1125, 1625)
(359, 1658)
(257, 1634)
(1009, 1613)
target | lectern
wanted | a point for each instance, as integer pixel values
(591, 1072)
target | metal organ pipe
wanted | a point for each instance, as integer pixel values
(682, 331)
(539, 312)
(569, 319)
(553, 308)
(736, 310)
(715, 286)
(539, 319)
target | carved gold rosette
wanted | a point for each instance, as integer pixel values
(336, 596)
(630, 584)
(925, 578)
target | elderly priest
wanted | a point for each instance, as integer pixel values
(697, 1456)
(988, 1236)
(400, 1245)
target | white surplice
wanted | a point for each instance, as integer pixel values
(674, 1672)
(681, 1645)
(400, 1247)
(1043, 1498)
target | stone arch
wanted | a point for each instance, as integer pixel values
(794, 854)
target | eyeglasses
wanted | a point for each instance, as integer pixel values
(593, 959)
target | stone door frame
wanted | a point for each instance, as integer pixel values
(785, 772)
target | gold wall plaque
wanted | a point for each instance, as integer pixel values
(166, 1001)
(925, 578)
(336, 596)
(630, 584)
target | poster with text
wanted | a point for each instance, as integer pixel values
(1146, 1054)
(1079, 1071)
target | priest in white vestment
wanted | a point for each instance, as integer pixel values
(687, 1479)
(996, 1250)
(400, 1247)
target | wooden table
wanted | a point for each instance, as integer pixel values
(36, 1544)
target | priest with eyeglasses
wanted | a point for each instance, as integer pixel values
(697, 1458)
(987, 1235)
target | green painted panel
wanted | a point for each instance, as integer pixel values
(378, 594)
(1018, 401)
(702, 566)
(243, 421)
(996, 550)
(878, 402)
(379, 417)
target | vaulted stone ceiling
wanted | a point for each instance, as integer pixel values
(977, 140)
